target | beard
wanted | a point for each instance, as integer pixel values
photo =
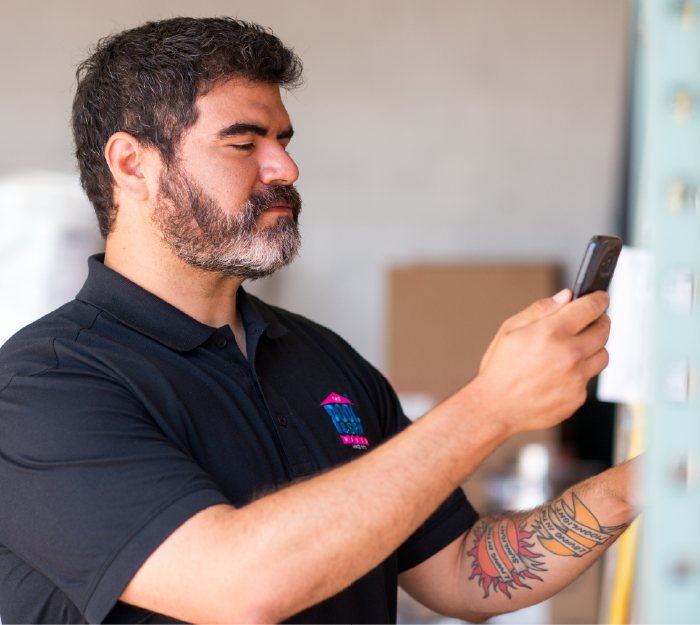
(200, 232)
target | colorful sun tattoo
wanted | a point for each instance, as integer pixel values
(503, 559)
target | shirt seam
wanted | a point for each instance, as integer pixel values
(9, 381)
(97, 313)
(54, 355)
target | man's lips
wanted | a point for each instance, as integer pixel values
(279, 208)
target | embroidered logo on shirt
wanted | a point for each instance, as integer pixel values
(345, 420)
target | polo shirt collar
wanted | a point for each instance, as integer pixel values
(147, 314)
(254, 311)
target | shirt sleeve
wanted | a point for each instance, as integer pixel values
(92, 483)
(454, 517)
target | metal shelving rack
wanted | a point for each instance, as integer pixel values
(666, 221)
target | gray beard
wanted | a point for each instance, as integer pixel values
(201, 233)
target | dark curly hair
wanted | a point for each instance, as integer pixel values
(145, 81)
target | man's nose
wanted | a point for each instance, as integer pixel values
(278, 167)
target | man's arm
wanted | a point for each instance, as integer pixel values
(292, 549)
(512, 560)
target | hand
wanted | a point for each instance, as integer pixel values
(536, 369)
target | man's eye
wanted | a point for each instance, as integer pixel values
(244, 147)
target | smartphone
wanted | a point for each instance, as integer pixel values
(598, 265)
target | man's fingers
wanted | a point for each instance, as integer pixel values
(594, 337)
(533, 313)
(538, 310)
(596, 363)
(584, 311)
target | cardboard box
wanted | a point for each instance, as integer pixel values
(443, 317)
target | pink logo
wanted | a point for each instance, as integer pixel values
(334, 398)
(348, 424)
(354, 440)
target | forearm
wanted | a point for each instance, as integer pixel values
(512, 560)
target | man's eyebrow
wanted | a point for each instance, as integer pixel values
(237, 129)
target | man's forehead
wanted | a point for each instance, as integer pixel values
(242, 102)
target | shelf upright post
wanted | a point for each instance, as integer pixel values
(666, 221)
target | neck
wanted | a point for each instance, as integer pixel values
(208, 297)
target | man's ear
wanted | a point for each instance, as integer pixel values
(126, 161)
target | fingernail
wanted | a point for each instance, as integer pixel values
(561, 296)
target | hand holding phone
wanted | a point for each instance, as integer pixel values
(598, 265)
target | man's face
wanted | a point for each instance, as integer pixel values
(227, 204)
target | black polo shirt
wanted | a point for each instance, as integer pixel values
(121, 417)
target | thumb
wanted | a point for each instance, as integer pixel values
(538, 310)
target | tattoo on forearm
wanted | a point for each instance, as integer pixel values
(502, 556)
(504, 559)
(570, 531)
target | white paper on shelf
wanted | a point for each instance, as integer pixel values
(626, 379)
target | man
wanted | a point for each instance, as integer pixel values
(173, 448)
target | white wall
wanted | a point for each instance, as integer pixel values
(47, 232)
(428, 129)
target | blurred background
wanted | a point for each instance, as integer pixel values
(455, 155)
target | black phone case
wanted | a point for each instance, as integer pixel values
(598, 265)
